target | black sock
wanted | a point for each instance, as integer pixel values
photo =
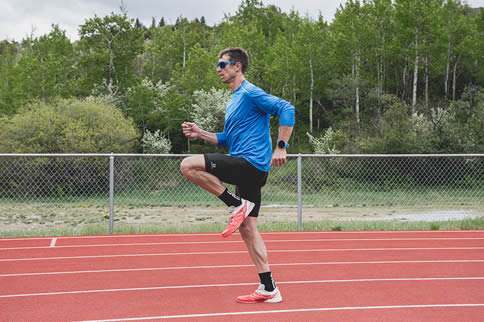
(267, 281)
(230, 199)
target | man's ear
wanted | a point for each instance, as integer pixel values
(239, 64)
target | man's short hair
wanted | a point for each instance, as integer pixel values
(238, 55)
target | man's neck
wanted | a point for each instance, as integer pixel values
(236, 82)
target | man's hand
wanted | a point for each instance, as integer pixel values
(191, 130)
(279, 157)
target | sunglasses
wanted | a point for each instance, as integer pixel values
(223, 63)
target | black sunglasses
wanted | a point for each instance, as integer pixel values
(223, 63)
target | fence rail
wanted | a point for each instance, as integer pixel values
(50, 190)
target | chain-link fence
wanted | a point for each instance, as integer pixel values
(55, 191)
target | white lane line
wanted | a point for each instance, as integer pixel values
(146, 269)
(318, 309)
(52, 242)
(174, 235)
(360, 280)
(241, 252)
(241, 242)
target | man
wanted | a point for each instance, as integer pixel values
(246, 134)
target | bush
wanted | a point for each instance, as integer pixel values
(68, 126)
(155, 142)
(327, 142)
(209, 108)
(64, 126)
(398, 131)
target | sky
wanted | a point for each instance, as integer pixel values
(20, 18)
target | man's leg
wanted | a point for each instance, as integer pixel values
(267, 292)
(255, 244)
(223, 168)
(193, 168)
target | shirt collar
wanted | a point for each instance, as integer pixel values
(240, 86)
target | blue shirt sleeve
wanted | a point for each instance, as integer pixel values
(274, 106)
(221, 138)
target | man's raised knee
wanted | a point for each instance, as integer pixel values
(188, 164)
(185, 167)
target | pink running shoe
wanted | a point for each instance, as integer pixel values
(238, 216)
(261, 296)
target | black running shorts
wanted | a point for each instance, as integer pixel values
(247, 179)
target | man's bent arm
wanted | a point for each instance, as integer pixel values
(208, 137)
(284, 133)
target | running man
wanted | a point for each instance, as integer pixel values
(246, 134)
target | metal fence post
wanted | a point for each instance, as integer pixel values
(299, 192)
(111, 193)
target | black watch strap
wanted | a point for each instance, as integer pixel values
(282, 144)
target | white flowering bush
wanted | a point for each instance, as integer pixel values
(147, 94)
(326, 142)
(155, 142)
(209, 108)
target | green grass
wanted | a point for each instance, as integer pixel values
(190, 195)
(119, 228)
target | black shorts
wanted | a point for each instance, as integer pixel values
(247, 179)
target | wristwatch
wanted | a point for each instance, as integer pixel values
(282, 144)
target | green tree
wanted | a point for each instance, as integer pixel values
(145, 102)
(199, 72)
(348, 33)
(312, 42)
(9, 96)
(47, 69)
(108, 48)
(42, 69)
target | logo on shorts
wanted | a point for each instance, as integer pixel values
(213, 165)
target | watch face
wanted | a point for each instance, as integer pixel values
(281, 144)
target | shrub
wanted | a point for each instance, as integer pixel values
(209, 108)
(68, 126)
(64, 126)
(155, 142)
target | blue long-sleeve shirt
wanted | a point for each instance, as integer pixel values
(246, 131)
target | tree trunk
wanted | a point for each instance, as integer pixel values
(311, 89)
(184, 48)
(381, 71)
(378, 76)
(286, 85)
(447, 69)
(152, 66)
(426, 82)
(454, 78)
(415, 76)
(357, 91)
(111, 68)
(404, 82)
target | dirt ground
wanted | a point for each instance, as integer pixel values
(29, 217)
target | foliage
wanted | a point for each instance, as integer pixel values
(326, 142)
(146, 99)
(68, 126)
(399, 132)
(398, 76)
(109, 46)
(209, 108)
(155, 142)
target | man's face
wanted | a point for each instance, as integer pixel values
(227, 69)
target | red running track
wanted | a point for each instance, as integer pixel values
(343, 276)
